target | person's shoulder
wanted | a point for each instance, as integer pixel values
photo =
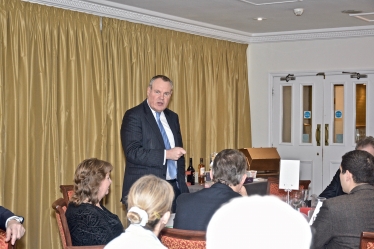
(137, 108)
(170, 112)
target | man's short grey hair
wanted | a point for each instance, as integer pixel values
(229, 166)
(364, 142)
(163, 77)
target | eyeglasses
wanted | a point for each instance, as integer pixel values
(166, 94)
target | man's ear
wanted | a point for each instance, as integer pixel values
(211, 174)
(348, 176)
(243, 179)
(165, 217)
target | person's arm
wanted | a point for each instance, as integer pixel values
(11, 224)
(4, 215)
(334, 188)
(322, 228)
(134, 131)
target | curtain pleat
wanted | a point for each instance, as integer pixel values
(65, 85)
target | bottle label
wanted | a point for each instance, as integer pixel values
(202, 171)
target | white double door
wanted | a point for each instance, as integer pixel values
(317, 119)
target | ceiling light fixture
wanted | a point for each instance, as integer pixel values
(298, 11)
(259, 18)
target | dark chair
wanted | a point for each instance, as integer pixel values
(60, 206)
(256, 188)
(367, 240)
(174, 238)
(3, 244)
(67, 192)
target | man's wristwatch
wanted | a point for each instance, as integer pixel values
(20, 219)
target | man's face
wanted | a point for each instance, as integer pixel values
(367, 148)
(159, 95)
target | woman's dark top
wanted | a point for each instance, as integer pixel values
(91, 225)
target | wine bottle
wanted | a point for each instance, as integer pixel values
(201, 168)
(191, 177)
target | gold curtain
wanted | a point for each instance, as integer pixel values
(210, 83)
(65, 85)
(52, 92)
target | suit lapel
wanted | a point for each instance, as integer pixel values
(152, 122)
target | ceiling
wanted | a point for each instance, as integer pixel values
(234, 19)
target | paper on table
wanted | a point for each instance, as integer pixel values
(316, 211)
(170, 222)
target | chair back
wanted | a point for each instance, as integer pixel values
(3, 244)
(67, 191)
(174, 238)
(273, 187)
(367, 240)
(60, 206)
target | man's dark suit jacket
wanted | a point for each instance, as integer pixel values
(195, 210)
(144, 147)
(341, 220)
(334, 189)
(4, 215)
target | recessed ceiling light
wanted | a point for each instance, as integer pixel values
(259, 18)
(351, 11)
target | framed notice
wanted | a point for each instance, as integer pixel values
(289, 174)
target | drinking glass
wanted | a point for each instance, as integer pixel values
(305, 195)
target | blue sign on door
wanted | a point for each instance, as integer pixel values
(307, 114)
(338, 114)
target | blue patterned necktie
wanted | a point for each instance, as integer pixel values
(170, 163)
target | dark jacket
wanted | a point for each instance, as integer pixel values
(334, 189)
(195, 210)
(341, 220)
(144, 147)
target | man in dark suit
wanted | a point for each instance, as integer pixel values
(152, 140)
(341, 220)
(335, 189)
(195, 210)
(12, 224)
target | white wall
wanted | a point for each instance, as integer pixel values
(347, 54)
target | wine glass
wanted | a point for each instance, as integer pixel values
(305, 195)
(296, 198)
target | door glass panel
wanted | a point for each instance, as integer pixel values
(286, 117)
(360, 111)
(338, 126)
(307, 114)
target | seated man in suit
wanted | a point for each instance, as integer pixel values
(341, 220)
(12, 224)
(229, 173)
(335, 189)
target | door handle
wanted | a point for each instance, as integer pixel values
(326, 134)
(318, 135)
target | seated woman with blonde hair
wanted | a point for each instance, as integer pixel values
(149, 201)
(90, 223)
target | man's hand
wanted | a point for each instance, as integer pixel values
(14, 231)
(175, 153)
